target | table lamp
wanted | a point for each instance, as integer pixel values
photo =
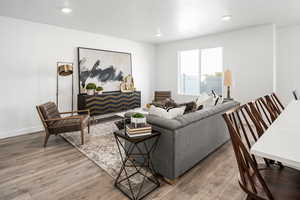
(64, 69)
(228, 83)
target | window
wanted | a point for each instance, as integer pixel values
(200, 70)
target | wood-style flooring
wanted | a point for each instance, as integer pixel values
(60, 172)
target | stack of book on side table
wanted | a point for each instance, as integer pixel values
(138, 130)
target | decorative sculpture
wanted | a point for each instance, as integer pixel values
(128, 84)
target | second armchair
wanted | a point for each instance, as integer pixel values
(55, 124)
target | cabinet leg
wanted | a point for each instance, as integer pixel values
(82, 137)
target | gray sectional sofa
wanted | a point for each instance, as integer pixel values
(187, 139)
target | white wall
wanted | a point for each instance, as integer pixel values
(288, 62)
(248, 53)
(29, 52)
(28, 55)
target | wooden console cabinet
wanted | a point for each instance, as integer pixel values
(109, 102)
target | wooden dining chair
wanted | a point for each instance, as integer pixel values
(264, 110)
(264, 117)
(258, 181)
(275, 107)
(247, 126)
(274, 103)
(277, 101)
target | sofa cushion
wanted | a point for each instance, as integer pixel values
(166, 103)
(205, 112)
(205, 100)
(189, 106)
(69, 124)
(189, 118)
(49, 111)
(170, 114)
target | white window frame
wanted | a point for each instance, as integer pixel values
(179, 76)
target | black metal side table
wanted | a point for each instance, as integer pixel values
(137, 177)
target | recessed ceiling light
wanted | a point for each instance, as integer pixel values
(226, 18)
(66, 10)
(158, 33)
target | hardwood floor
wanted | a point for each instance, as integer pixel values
(60, 172)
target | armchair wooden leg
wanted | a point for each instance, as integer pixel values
(82, 136)
(88, 127)
(46, 139)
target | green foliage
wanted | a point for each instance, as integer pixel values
(138, 115)
(99, 88)
(91, 86)
(219, 74)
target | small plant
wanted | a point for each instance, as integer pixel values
(138, 115)
(99, 89)
(138, 118)
(91, 86)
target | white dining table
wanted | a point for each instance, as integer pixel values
(281, 141)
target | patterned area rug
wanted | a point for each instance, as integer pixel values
(99, 146)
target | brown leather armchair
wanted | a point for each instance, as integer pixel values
(161, 95)
(163, 99)
(54, 123)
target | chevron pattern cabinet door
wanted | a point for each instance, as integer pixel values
(109, 102)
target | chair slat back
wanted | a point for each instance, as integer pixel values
(250, 179)
(277, 101)
(272, 105)
(266, 114)
(246, 125)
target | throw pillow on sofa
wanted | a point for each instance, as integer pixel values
(189, 107)
(170, 114)
(205, 100)
(217, 100)
(170, 103)
(167, 103)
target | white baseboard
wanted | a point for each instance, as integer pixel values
(22, 131)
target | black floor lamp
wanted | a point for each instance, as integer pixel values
(64, 69)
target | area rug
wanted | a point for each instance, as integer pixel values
(99, 146)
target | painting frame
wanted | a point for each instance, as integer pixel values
(101, 50)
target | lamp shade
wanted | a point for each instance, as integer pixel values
(65, 70)
(227, 78)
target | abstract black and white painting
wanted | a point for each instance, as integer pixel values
(102, 67)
